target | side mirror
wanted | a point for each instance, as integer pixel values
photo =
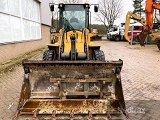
(95, 9)
(52, 8)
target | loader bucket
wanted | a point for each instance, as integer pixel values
(72, 89)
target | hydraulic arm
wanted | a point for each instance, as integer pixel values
(149, 10)
(133, 16)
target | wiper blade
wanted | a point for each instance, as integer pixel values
(68, 23)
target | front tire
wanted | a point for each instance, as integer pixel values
(99, 55)
(117, 38)
(49, 55)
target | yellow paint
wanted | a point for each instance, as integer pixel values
(79, 41)
(54, 35)
(55, 44)
(64, 37)
(91, 44)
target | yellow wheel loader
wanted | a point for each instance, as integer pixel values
(73, 81)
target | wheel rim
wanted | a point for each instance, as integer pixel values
(117, 38)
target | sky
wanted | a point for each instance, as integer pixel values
(128, 6)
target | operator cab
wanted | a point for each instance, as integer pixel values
(74, 17)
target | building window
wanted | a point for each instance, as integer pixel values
(4, 6)
(5, 34)
(19, 20)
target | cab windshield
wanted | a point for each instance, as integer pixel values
(73, 17)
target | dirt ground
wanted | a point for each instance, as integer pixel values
(140, 79)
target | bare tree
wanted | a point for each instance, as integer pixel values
(138, 7)
(109, 11)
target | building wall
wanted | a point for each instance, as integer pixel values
(24, 27)
(45, 12)
(10, 51)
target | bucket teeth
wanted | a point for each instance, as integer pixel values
(53, 115)
(71, 115)
(34, 117)
(90, 116)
